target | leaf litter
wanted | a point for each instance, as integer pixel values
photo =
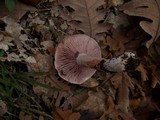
(118, 26)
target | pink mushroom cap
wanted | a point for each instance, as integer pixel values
(66, 58)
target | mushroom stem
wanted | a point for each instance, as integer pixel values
(88, 61)
(126, 61)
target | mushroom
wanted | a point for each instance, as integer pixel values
(76, 58)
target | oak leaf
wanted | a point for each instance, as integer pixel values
(122, 82)
(85, 16)
(149, 9)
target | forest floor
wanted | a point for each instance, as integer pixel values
(30, 86)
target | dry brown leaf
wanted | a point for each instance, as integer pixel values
(12, 27)
(43, 63)
(122, 82)
(71, 100)
(95, 103)
(5, 41)
(149, 9)
(62, 96)
(52, 80)
(8, 40)
(117, 41)
(116, 80)
(61, 92)
(136, 37)
(113, 113)
(105, 51)
(14, 37)
(110, 112)
(48, 44)
(56, 97)
(59, 114)
(138, 89)
(123, 93)
(143, 72)
(86, 16)
(117, 20)
(42, 29)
